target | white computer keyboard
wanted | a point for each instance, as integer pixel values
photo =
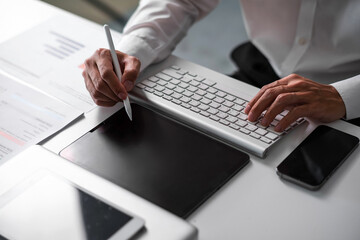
(202, 96)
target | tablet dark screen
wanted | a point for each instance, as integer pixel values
(157, 158)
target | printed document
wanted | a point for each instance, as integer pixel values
(28, 116)
(50, 57)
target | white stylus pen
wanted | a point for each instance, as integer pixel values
(117, 68)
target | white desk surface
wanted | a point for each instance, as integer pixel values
(255, 204)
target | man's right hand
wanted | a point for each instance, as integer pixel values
(101, 80)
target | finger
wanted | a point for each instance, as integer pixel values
(283, 81)
(98, 82)
(131, 69)
(293, 115)
(98, 98)
(265, 101)
(284, 101)
(106, 71)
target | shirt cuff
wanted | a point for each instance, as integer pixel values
(137, 47)
(349, 90)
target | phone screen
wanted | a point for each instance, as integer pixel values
(317, 157)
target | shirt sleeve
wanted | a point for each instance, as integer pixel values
(349, 90)
(156, 27)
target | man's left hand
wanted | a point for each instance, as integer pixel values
(301, 96)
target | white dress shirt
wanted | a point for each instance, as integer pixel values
(317, 39)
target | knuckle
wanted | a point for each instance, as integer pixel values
(99, 85)
(88, 62)
(104, 53)
(105, 73)
(270, 93)
(282, 98)
(294, 76)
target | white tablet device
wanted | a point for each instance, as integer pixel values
(51, 207)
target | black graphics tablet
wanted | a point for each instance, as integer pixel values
(157, 158)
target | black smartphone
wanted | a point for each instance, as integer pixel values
(317, 157)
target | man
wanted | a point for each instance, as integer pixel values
(302, 40)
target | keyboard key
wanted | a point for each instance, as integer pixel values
(194, 83)
(175, 81)
(176, 101)
(250, 127)
(228, 104)
(261, 131)
(272, 129)
(185, 99)
(213, 110)
(175, 67)
(179, 90)
(274, 122)
(239, 101)
(265, 140)
(163, 76)
(157, 93)
(214, 105)
(201, 92)
(196, 97)
(219, 100)
(183, 85)
(271, 136)
(161, 82)
(242, 116)
(205, 101)
(237, 107)
(140, 85)
(194, 103)
(220, 94)
(199, 78)
(214, 117)
(230, 97)
(209, 82)
(234, 126)
(223, 121)
(181, 72)
(279, 117)
(224, 109)
(241, 123)
(231, 119)
(233, 113)
(203, 86)
(195, 109)
(206, 114)
(167, 97)
(243, 130)
(176, 95)
(255, 135)
(221, 115)
(212, 90)
(168, 91)
(150, 90)
(203, 107)
(148, 83)
(172, 73)
(159, 88)
(192, 74)
(192, 88)
(187, 93)
(210, 96)
(185, 105)
(186, 79)
(170, 86)
(154, 79)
